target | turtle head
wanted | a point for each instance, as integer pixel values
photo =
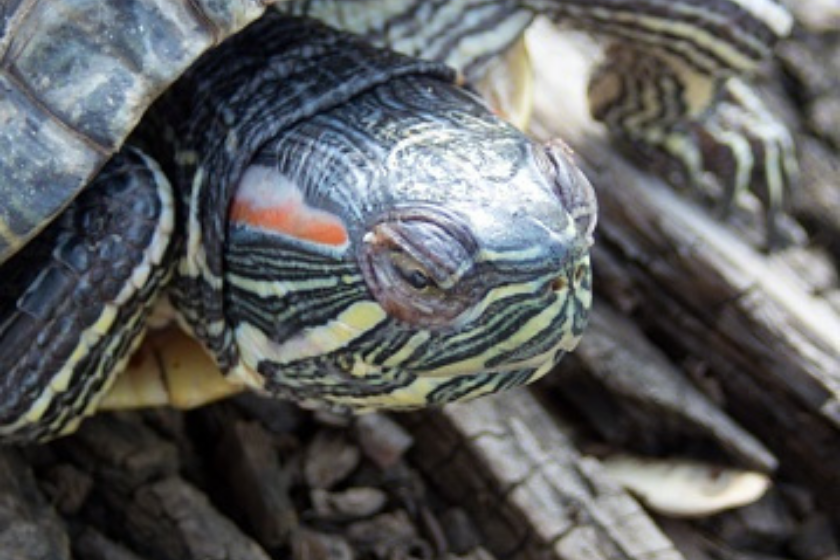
(436, 259)
(489, 276)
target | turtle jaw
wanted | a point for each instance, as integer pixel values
(538, 339)
(521, 326)
(368, 360)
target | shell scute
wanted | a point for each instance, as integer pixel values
(75, 78)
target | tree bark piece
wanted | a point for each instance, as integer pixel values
(653, 403)
(140, 497)
(532, 494)
(30, 529)
(177, 522)
(256, 482)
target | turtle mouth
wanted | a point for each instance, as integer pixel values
(515, 327)
(566, 300)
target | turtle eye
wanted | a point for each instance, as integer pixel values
(417, 279)
(411, 273)
(417, 263)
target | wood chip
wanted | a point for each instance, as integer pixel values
(461, 534)
(312, 545)
(382, 440)
(29, 527)
(683, 488)
(330, 458)
(256, 482)
(68, 487)
(353, 503)
(174, 521)
(390, 535)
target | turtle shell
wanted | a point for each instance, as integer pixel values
(75, 78)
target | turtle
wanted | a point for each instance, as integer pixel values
(336, 223)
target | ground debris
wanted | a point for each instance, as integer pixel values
(389, 536)
(29, 527)
(312, 545)
(330, 458)
(382, 440)
(353, 503)
(93, 545)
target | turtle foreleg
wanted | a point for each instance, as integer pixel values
(713, 135)
(73, 302)
(672, 88)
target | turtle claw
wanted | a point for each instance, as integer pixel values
(744, 147)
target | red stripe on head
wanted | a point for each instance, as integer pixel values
(267, 200)
(294, 219)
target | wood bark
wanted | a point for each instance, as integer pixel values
(764, 330)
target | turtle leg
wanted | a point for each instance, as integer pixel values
(74, 301)
(721, 146)
(673, 90)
